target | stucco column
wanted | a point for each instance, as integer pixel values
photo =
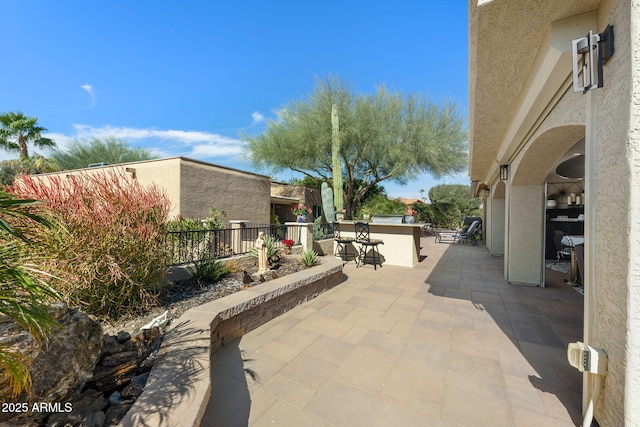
(525, 260)
(496, 229)
(237, 227)
(302, 233)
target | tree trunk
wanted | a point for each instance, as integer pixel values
(338, 193)
(22, 146)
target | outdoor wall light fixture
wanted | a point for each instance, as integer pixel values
(485, 193)
(504, 172)
(588, 55)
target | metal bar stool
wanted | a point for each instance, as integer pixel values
(341, 242)
(365, 241)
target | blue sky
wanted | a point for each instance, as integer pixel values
(186, 78)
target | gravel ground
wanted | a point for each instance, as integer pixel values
(187, 294)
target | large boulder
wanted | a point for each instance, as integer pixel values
(64, 364)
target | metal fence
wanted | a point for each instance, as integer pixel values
(202, 245)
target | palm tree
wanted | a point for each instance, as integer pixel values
(111, 150)
(18, 130)
(22, 286)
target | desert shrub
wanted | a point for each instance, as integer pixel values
(215, 220)
(319, 231)
(446, 215)
(440, 215)
(209, 270)
(181, 223)
(113, 256)
(309, 258)
(380, 204)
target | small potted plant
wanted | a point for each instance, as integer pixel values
(287, 245)
(301, 212)
(366, 214)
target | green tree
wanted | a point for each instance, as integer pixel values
(81, 153)
(309, 181)
(35, 164)
(18, 130)
(381, 204)
(384, 136)
(23, 289)
(458, 194)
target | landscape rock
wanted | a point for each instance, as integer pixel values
(123, 337)
(66, 362)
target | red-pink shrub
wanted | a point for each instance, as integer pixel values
(111, 258)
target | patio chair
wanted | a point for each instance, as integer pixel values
(341, 242)
(469, 235)
(367, 244)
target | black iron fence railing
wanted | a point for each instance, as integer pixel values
(202, 245)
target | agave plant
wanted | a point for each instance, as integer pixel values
(23, 289)
(309, 258)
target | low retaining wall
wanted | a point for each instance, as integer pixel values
(179, 385)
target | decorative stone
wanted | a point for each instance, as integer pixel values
(123, 337)
(66, 362)
(114, 399)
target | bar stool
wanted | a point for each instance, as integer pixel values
(365, 241)
(341, 242)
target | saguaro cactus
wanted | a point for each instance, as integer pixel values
(327, 202)
(338, 193)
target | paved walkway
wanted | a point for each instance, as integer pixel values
(446, 343)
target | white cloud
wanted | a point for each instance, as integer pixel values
(164, 143)
(89, 89)
(257, 117)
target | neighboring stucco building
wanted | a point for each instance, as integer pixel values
(194, 187)
(525, 120)
(286, 196)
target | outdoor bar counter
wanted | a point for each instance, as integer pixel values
(401, 242)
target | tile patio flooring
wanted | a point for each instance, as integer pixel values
(446, 343)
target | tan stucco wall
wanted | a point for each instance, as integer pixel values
(243, 196)
(632, 387)
(164, 173)
(616, 321)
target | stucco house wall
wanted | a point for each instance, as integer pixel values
(194, 187)
(242, 195)
(609, 120)
(616, 312)
(303, 195)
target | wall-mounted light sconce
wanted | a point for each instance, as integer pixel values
(485, 193)
(588, 54)
(504, 172)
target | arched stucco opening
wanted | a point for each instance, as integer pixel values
(526, 238)
(543, 154)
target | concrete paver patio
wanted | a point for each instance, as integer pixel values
(447, 343)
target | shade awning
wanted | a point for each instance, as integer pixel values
(283, 200)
